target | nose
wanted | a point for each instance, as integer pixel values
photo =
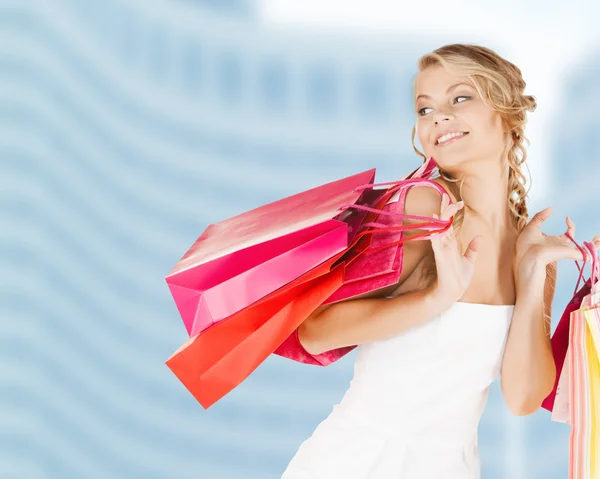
(440, 116)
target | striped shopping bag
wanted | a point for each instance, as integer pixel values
(583, 358)
(584, 394)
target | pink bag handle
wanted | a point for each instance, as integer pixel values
(595, 266)
(423, 171)
(416, 178)
(408, 184)
(582, 267)
(368, 186)
(427, 225)
(427, 235)
(387, 213)
(396, 185)
(420, 226)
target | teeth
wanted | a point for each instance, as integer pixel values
(447, 136)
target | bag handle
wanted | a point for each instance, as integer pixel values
(417, 237)
(422, 172)
(398, 185)
(588, 248)
(430, 233)
(434, 227)
(428, 224)
(582, 267)
(595, 264)
(389, 213)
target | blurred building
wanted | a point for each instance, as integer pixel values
(129, 126)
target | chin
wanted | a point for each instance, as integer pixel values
(450, 161)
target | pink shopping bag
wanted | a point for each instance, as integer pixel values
(242, 259)
(380, 264)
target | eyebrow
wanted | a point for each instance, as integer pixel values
(447, 91)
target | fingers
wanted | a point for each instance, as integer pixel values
(445, 202)
(473, 249)
(564, 252)
(448, 211)
(439, 240)
(570, 227)
(571, 231)
(540, 217)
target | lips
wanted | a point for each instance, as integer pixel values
(450, 137)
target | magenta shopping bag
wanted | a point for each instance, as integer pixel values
(242, 259)
(380, 264)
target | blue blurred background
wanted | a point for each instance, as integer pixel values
(127, 126)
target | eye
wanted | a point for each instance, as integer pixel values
(422, 111)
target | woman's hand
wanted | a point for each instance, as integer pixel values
(454, 269)
(535, 250)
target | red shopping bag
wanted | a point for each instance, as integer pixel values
(240, 260)
(218, 359)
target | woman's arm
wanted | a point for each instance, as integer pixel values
(528, 368)
(373, 316)
(360, 321)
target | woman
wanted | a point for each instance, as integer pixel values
(470, 306)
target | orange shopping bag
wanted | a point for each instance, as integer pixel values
(215, 361)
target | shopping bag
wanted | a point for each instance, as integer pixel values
(560, 345)
(215, 361)
(380, 263)
(584, 394)
(577, 398)
(242, 259)
(584, 382)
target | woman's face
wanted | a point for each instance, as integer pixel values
(454, 125)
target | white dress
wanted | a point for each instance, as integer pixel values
(413, 406)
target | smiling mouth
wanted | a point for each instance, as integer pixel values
(449, 139)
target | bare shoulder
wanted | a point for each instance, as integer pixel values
(420, 201)
(423, 201)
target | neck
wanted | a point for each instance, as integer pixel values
(485, 193)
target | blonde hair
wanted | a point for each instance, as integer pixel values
(500, 84)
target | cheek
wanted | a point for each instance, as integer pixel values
(489, 135)
(423, 133)
(488, 120)
(495, 128)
